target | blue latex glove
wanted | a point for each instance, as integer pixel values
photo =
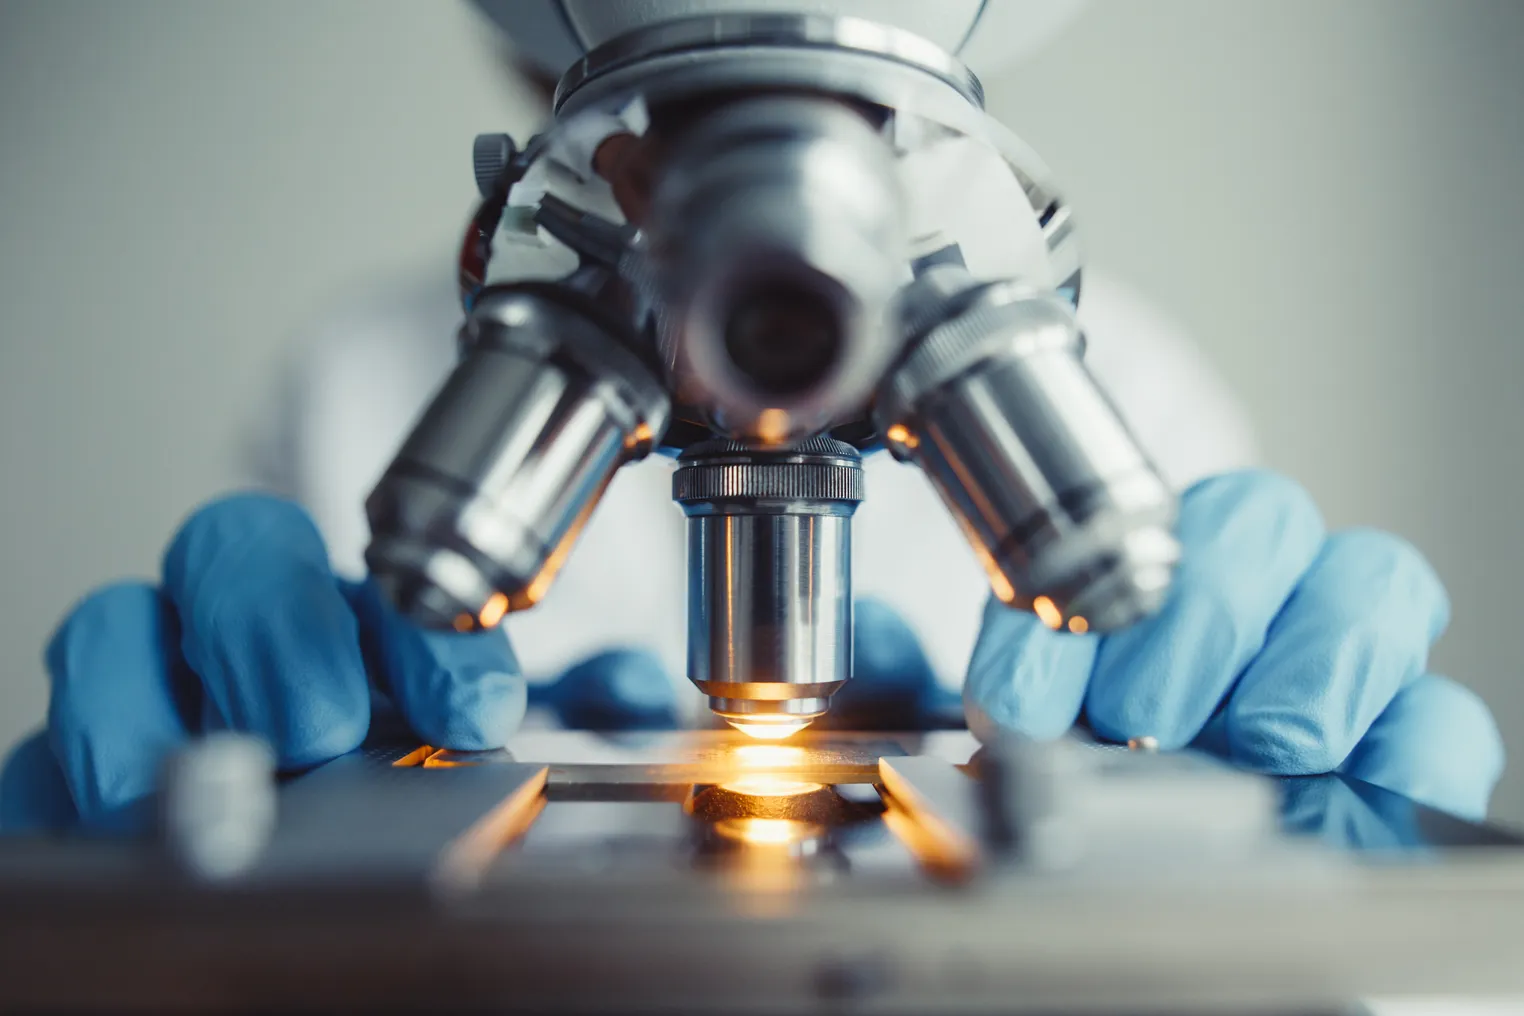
(250, 630)
(1282, 647)
(893, 685)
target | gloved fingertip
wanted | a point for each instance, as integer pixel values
(324, 730)
(622, 689)
(233, 522)
(985, 727)
(1267, 500)
(279, 656)
(1480, 766)
(1437, 744)
(467, 709)
(1283, 743)
(893, 684)
(115, 710)
(1394, 572)
(1024, 677)
(34, 797)
(266, 627)
(395, 643)
(458, 690)
(886, 652)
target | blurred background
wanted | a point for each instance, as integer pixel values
(1327, 193)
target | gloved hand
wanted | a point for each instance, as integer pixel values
(250, 630)
(1282, 647)
(893, 685)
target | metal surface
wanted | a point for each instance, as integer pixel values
(927, 115)
(783, 31)
(681, 758)
(935, 808)
(363, 822)
(799, 895)
(777, 238)
(1110, 811)
(769, 578)
(481, 506)
(1063, 509)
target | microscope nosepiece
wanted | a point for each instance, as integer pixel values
(769, 578)
(476, 514)
(994, 402)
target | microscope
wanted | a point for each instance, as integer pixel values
(757, 240)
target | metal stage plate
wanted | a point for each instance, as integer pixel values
(703, 872)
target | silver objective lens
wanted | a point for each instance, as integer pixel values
(479, 509)
(777, 242)
(769, 578)
(995, 404)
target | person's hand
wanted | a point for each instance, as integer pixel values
(250, 630)
(1282, 647)
(893, 685)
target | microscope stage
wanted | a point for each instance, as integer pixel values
(667, 758)
(702, 871)
(606, 804)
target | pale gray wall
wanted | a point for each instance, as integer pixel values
(1328, 192)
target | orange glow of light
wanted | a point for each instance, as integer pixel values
(466, 859)
(639, 436)
(415, 757)
(999, 584)
(1078, 625)
(1048, 613)
(766, 832)
(772, 425)
(493, 611)
(464, 622)
(769, 756)
(900, 434)
(768, 730)
(770, 786)
(540, 585)
(943, 855)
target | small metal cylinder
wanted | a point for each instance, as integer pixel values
(217, 807)
(478, 511)
(769, 578)
(995, 404)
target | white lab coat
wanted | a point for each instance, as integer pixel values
(360, 375)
